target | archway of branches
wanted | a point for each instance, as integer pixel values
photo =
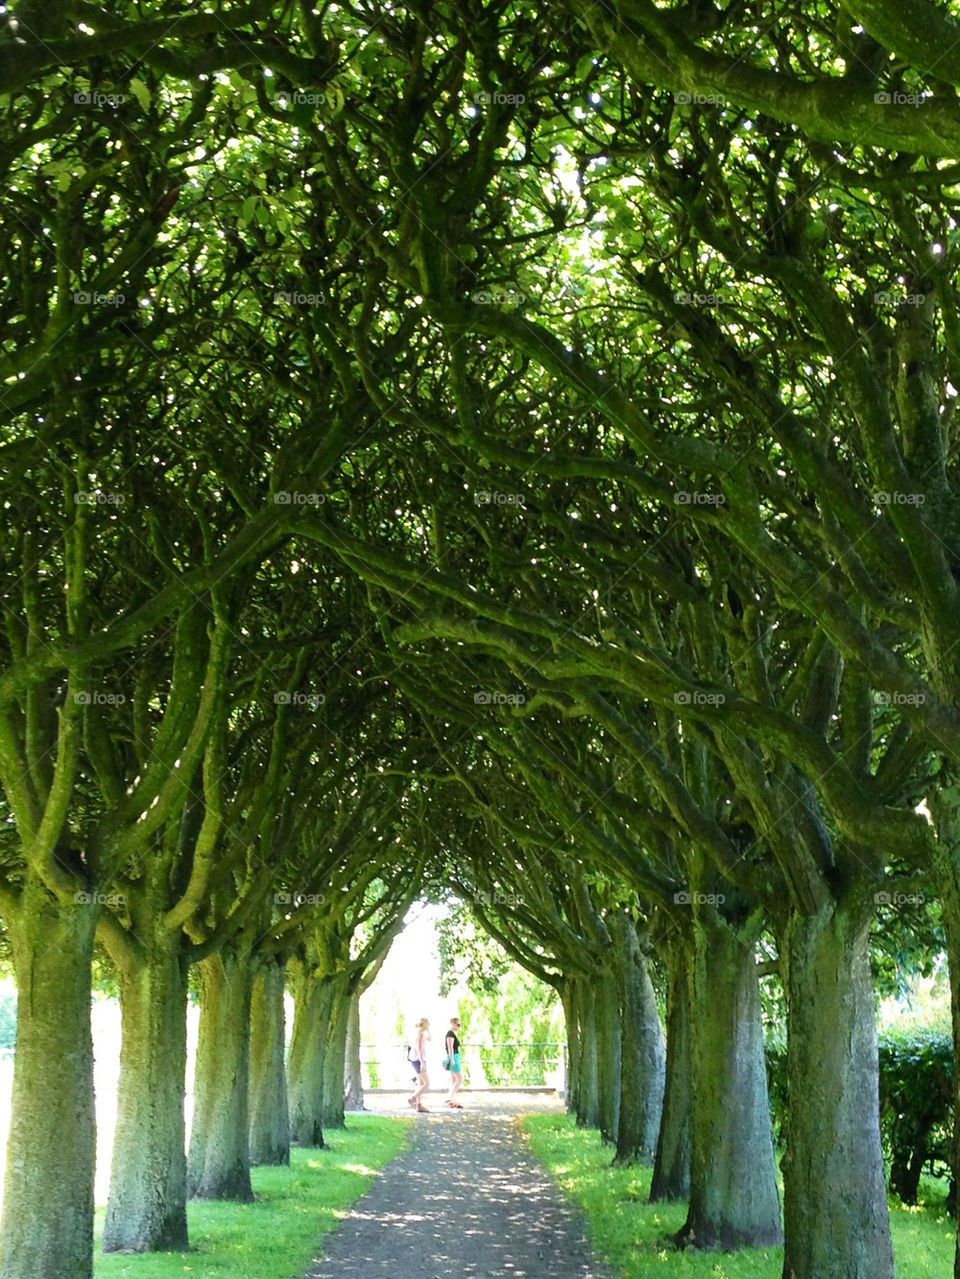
(482, 448)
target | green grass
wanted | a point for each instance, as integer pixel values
(625, 1227)
(278, 1235)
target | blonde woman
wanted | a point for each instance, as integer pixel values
(419, 1058)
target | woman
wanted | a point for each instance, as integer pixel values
(419, 1060)
(453, 1055)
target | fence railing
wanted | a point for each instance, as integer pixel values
(485, 1065)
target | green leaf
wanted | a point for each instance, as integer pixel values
(248, 210)
(302, 112)
(141, 93)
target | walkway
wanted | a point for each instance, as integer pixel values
(466, 1200)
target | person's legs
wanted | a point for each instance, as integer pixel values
(456, 1082)
(421, 1088)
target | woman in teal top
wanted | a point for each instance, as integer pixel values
(452, 1044)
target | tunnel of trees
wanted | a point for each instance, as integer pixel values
(484, 448)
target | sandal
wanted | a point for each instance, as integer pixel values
(423, 1110)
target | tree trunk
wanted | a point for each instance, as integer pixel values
(313, 1000)
(643, 1051)
(734, 1201)
(568, 997)
(48, 1193)
(587, 1109)
(945, 808)
(671, 1167)
(218, 1164)
(609, 1058)
(147, 1207)
(834, 1197)
(269, 1116)
(332, 1115)
(353, 1071)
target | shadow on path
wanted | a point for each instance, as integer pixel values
(466, 1200)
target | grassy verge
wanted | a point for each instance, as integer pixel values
(278, 1235)
(625, 1227)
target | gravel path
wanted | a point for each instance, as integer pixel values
(466, 1200)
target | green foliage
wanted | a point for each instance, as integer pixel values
(508, 1015)
(277, 1235)
(916, 1103)
(627, 1229)
(776, 1057)
(468, 956)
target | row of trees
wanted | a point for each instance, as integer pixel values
(551, 409)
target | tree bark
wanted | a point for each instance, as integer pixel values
(147, 1207)
(834, 1197)
(586, 1107)
(568, 998)
(269, 1114)
(609, 1058)
(48, 1193)
(218, 1164)
(671, 1167)
(643, 1055)
(734, 1200)
(945, 809)
(313, 1000)
(353, 1070)
(332, 1115)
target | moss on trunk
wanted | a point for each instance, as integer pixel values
(48, 1192)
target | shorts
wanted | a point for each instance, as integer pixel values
(455, 1064)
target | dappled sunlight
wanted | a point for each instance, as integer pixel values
(469, 1197)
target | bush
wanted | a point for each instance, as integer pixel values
(916, 1104)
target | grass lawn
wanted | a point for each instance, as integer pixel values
(278, 1235)
(625, 1227)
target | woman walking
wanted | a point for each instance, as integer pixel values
(419, 1060)
(452, 1063)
